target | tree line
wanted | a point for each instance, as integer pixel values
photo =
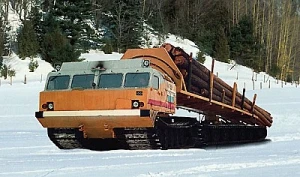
(261, 34)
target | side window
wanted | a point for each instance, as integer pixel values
(110, 80)
(137, 80)
(83, 81)
(58, 82)
(155, 82)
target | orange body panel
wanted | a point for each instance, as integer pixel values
(78, 108)
(91, 99)
(75, 100)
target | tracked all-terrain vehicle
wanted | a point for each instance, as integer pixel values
(130, 104)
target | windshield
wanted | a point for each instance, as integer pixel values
(110, 80)
(58, 82)
(137, 80)
(83, 81)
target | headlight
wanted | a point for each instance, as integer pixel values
(135, 104)
(146, 63)
(50, 106)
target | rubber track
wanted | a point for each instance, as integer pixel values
(65, 138)
(165, 135)
(72, 138)
(137, 138)
(230, 134)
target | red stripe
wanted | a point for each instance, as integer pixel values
(162, 104)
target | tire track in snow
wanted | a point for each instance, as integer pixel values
(71, 170)
(224, 167)
(287, 137)
(24, 147)
(16, 115)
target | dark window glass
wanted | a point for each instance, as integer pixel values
(137, 80)
(110, 80)
(83, 81)
(58, 82)
(155, 82)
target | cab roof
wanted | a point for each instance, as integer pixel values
(108, 64)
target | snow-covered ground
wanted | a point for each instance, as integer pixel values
(26, 151)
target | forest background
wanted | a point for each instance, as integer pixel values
(260, 34)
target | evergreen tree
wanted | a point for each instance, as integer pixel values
(27, 41)
(243, 45)
(76, 21)
(221, 48)
(122, 24)
(1, 42)
(215, 25)
(56, 48)
(38, 23)
(153, 15)
(5, 42)
(169, 10)
(8, 42)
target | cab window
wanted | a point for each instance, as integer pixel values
(155, 82)
(58, 82)
(137, 80)
(83, 81)
(110, 80)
